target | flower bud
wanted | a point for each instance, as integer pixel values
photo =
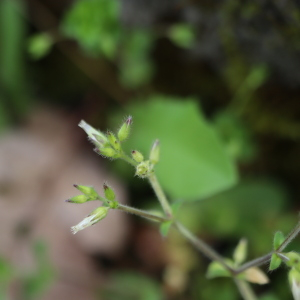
(88, 191)
(294, 280)
(294, 260)
(143, 169)
(154, 153)
(137, 156)
(78, 199)
(94, 217)
(109, 192)
(113, 141)
(108, 152)
(124, 131)
(96, 136)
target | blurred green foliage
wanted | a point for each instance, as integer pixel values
(128, 285)
(193, 163)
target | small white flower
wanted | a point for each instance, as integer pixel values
(296, 289)
(96, 136)
(94, 217)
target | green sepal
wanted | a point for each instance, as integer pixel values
(113, 141)
(275, 262)
(154, 153)
(137, 156)
(124, 131)
(78, 199)
(113, 204)
(215, 269)
(88, 191)
(108, 152)
(278, 240)
(240, 252)
(165, 227)
(109, 192)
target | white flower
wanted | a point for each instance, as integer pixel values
(94, 217)
(96, 136)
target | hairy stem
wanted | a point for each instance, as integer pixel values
(203, 247)
(253, 263)
(128, 159)
(160, 195)
(245, 289)
(294, 232)
(141, 213)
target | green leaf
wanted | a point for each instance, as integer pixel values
(275, 262)
(278, 240)
(183, 35)
(95, 25)
(175, 206)
(193, 163)
(240, 252)
(40, 45)
(165, 227)
(215, 269)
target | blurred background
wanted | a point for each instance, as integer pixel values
(218, 82)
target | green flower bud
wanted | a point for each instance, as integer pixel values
(78, 199)
(294, 260)
(137, 156)
(124, 131)
(96, 136)
(108, 152)
(143, 169)
(88, 191)
(94, 217)
(154, 153)
(113, 141)
(109, 192)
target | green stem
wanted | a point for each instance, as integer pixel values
(294, 232)
(141, 213)
(245, 289)
(160, 195)
(203, 247)
(128, 159)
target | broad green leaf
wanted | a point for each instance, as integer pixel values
(193, 163)
(275, 262)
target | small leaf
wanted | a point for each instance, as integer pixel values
(215, 269)
(240, 252)
(165, 227)
(183, 35)
(255, 275)
(275, 262)
(278, 240)
(175, 206)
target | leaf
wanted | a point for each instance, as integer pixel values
(165, 227)
(240, 252)
(255, 275)
(215, 269)
(278, 240)
(193, 163)
(183, 35)
(40, 45)
(275, 262)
